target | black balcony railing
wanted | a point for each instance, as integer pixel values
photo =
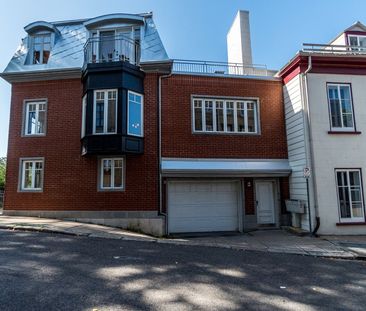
(111, 49)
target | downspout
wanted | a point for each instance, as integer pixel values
(160, 184)
(310, 147)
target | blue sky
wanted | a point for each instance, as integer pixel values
(192, 29)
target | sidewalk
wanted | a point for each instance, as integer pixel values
(273, 241)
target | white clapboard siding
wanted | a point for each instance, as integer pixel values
(295, 132)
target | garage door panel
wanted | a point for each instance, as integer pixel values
(202, 206)
(204, 224)
(197, 211)
(203, 198)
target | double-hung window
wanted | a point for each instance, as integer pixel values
(112, 174)
(35, 118)
(135, 114)
(105, 112)
(340, 107)
(225, 115)
(350, 196)
(31, 175)
(41, 48)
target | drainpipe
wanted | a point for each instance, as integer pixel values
(160, 185)
(310, 147)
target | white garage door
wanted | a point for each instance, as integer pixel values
(202, 206)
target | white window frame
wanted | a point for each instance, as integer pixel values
(357, 47)
(26, 116)
(351, 219)
(105, 124)
(83, 115)
(141, 114)
(41, 34)
(23, 162)
(101, 172)
(235, 117)
(342, 128)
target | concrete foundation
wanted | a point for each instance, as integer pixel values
(146, 222)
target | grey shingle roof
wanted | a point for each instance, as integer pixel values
(68, 50)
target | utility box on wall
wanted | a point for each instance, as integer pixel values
(295, 206)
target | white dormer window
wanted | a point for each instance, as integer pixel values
(357, 41)
(41, 48)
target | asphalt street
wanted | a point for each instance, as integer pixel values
(40, 271)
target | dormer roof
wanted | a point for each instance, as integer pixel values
(40, 26)
(114, 18)
(357, 26)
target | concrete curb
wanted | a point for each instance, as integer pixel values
(344, 254)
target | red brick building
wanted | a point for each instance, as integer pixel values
(105, 128)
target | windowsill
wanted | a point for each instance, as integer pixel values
(359, 223)
(30, 191)
(33, 135)
(344, 132)
(226, 133)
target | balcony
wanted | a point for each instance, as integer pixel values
(106, 49)
(334, 49)
(220, 68)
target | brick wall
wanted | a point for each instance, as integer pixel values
(178, 140)
(70, 180)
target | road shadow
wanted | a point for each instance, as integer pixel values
(40, 271)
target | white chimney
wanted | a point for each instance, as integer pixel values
(239, 49)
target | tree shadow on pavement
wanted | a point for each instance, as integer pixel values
(41, 271)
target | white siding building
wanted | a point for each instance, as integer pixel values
(325, 107)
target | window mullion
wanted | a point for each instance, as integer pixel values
(224, 115)
(255, 117)
(112, 173)
(246, 116)
(36, 119)
(349, 193)
(105, 125)
(235, 117)
(33, 174)
(214, 116)
(340, 104)
(204, 115)
(23, 175)
(27, 118)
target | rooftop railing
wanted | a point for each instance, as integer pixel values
(219, 68)
(334, 49)
(111, 49)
